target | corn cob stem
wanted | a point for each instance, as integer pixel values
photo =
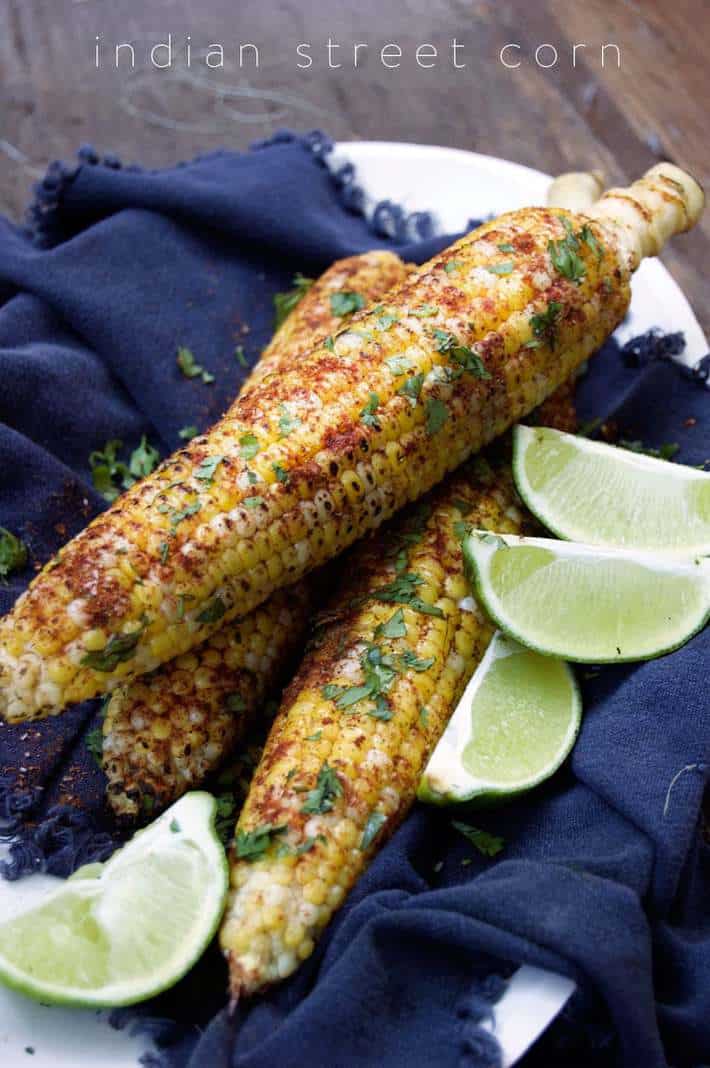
(164, 733)
(474, 341)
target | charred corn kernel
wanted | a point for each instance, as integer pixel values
(149, 761)
(351, 788)
(504, 334)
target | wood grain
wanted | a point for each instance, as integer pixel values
(621, 120)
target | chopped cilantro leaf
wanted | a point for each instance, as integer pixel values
(329, 343)
(666, 451)
(248, 445)
(451, 266)
(409, 659)
(412, 388)
(250, 845)
(544, 325)
(143, 459)
(118, 648)
(402, 591)
(399, 365)
(488, 844)
(436, 415)
(175, 826)
(424, 716)
(109, 474)
(252, 502)
(284, 303)
(187, 433)
(346, 302)
(506, 247)
(280, 472)
(240, 357)
(501, 268)
(367, 415)
(326, 791)
(13, 553)
(205, 472)
(235, 702)
(316, 737)
(186, 363)
(385, 321)
(586, 234)
(395, 627)
(287, 422)
(213, 611)
(565, 255)
(94, 740)
(425, 311)
(375, 822)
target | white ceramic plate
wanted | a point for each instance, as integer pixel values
(453, 185)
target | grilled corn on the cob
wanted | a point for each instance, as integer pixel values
(476, 339)
(357, 724)
(163, 733)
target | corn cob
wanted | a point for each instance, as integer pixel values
(293, 862)
(475, 340)
(163, 733)
(356, 726)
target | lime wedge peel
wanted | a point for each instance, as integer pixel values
(514, 726)
(120, 932)
(584, 603)
(599, 494)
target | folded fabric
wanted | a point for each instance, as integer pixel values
(605, 875)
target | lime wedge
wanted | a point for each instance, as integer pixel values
(587, 491)
(120, 932)
(515, 724)
(585, 603)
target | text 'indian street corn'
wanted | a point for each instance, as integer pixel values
(163, 733)
(370, 420)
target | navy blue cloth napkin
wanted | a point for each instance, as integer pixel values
(605, 874)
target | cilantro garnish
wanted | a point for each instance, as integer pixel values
(346, 302)
(424, 716)
(175, 826)
(424, 311)
(500, 268)
(94, 740)
(235, 702)
(287, 422)
(399, 365)
(586, 234)
(187, 433)
(436, 415)
(402, 591)
(412, 388)
(375, 822)
(13, 553)
(213, 611)
(544, 326)
(506, 247)
(409, 659)
(386, 320)
(252, 502)
(487, 844)
(329, 343)
(240, 357)
(284, 303)
(395, 627)
(565, 254)
(191, 369)
(452, 266)
(118, 648)
(326, 791)
(367, 415)
(143, 459)
(248, 446)
(461, 354)
(280, 472)
(250, 845)
(205, 472)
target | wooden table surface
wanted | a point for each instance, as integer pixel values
(567, 117)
